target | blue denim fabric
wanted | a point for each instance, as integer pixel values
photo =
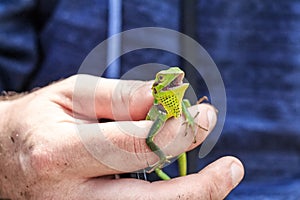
(255, 45)
(18, 46)
(71, 32)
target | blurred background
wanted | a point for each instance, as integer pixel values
(254, 43)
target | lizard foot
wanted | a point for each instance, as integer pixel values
(160, 164)
(202, 99)
(190, 123)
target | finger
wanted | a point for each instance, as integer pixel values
(124, 99)
(97, 97)
(213, 182)
(116, 147)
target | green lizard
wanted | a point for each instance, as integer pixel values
(168, 90)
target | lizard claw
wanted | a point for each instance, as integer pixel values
(204, 98)
(192, 124)
(160, 164)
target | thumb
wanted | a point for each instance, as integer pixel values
(213, 182)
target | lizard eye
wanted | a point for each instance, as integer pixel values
(161, 77)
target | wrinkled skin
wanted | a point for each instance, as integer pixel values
(43, 157)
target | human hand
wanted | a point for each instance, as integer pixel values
(52, 146)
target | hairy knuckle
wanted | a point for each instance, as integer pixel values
(39, 156)
(40, 160)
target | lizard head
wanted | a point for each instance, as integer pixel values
(168, 80)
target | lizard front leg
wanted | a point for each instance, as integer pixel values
(189, 120)
(190, 123)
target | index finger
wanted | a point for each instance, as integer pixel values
(96, 97)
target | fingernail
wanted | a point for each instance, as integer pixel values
(237, 173)
(212, 118)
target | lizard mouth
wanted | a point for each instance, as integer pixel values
(175, 82)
